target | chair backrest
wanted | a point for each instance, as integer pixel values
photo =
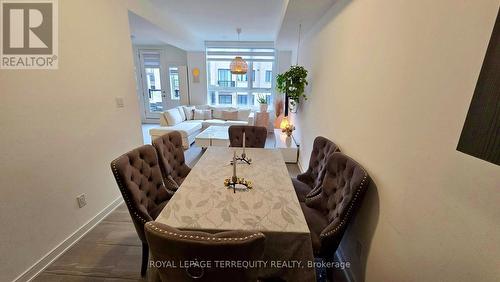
(170, 244)
(343, 187)
(138, 176)
(322, 149)
(255, 136)
(171, 156)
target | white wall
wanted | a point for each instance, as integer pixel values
(283, 60)
(391, 82)
(197, 90)
(60, 130)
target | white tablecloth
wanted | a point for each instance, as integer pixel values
(203, 203)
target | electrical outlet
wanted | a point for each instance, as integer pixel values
(119, 102)
(82, 201)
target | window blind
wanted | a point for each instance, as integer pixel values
(151, 60)
(249, 51)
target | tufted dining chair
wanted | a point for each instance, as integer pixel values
(304, 184)
(171, 157)
(255, 136)
(329, 211)
(139, 179)
(170, 244)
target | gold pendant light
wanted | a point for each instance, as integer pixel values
(238, 65)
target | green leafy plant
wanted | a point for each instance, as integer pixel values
(293, 83)
(261, 99)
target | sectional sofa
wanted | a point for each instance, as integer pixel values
(191, 120)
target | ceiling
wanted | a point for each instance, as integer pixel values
(304, 12)
(202, 20)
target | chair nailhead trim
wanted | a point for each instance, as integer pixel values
(314, 197)
(122, 189)
(344, 220)
(205, 238)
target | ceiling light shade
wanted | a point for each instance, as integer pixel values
(238, 66)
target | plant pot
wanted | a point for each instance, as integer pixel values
(263, 108)
(292, 106)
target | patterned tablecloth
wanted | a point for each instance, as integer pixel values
(203, 203)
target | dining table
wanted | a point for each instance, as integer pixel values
(271, 206)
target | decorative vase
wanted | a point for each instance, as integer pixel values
(263, 108)
(292, 104)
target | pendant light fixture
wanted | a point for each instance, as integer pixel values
(238, 65)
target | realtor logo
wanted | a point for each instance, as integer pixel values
(29, 34)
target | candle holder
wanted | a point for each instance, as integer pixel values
(243, 156)
(234, 180)
(231, 183)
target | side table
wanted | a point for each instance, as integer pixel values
(287, 146)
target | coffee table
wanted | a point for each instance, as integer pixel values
(213, 136)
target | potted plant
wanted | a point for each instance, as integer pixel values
(261, 99)
(292, 83)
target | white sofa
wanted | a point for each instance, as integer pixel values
(189, 121)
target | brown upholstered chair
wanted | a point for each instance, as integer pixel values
(329, 211)
(255, 136)
(307, 181)
(171, 157)
(138, 176)
(170, 244)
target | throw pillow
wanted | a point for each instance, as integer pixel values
(202, 114)
(203, 107)
(243, 114)
(171, 184)
(173, 117)
(217, 111)
(230, 115)
(181, 111)
(188, 111)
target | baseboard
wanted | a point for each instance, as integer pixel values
(339, 255)
(56, 252)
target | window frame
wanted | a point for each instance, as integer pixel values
(249, 78)
(225, 95)
(269, 74)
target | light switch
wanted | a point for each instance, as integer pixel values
(119, 102)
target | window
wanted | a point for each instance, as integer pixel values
(212, 98)
(268, 95)
(262, 70)
(225, 99)
(224, 78)
(151, 78)
(174, 83)
(225, 88)
(153, 82)
(242, 99)
(269, 74)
